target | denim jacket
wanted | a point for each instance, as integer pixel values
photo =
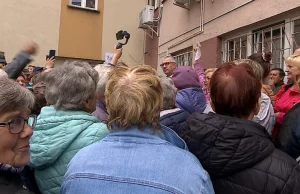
(137, 161)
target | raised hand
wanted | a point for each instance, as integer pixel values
(30, 48)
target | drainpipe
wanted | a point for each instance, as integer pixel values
(201, 24)
(159, 13)
(201, 27)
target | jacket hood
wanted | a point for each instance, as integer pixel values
(191, 100)
(56, 130)
(185, 77)
(225, 145)
(101, 111)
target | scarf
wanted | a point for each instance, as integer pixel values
(7, 167)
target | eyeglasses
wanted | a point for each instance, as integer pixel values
(166, 64)
(17, 124)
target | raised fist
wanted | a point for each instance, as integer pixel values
(30, 48)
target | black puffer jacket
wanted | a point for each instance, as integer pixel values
(240, 156)
(289, 122)
(175, 120)
(11, 183)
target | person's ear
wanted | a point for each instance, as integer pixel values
(87, 106)
(257, 107)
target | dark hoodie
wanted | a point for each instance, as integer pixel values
(240, 156)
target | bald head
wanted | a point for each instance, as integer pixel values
(297, 51)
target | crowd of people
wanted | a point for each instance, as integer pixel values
(119, 129)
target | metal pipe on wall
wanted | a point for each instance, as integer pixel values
(201, 27)
(242, 5)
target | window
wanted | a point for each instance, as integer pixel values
(153, 3)
(296, 34)
(272, 39)
(185, 59)
(236, 48)
(90, 4)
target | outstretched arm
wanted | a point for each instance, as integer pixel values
(15, 68)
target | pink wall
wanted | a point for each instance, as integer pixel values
(151, 51)
(179, 25)
(151, 47)
(211, 52)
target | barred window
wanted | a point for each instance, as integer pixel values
(236, 48)
(272, 39)
(185, 59)
(296, 34)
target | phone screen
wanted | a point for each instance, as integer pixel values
(51, 53)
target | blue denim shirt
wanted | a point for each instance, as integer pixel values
(137, 161)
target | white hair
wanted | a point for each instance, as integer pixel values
(103, 72)
(70, 85)
(169, 93)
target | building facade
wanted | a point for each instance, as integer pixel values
(22, 21)
(227, 30)
(76, 29)
(123, 15)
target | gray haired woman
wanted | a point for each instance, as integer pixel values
(103, 71)
(171, 116)
(66, 126)
(16, 125)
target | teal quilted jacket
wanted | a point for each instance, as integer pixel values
(57, 137)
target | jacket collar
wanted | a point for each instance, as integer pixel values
(146, 135)
(165, 112)
(279, 84)
(50, 111)
(101, 105)
(247, 125)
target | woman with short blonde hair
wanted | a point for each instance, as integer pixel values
(210, 70)
(208, 74)
(134, 154)
(293, 73)
(286, 98)
(142, 87)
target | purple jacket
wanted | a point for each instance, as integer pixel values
(191, 100)
(101, 112)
